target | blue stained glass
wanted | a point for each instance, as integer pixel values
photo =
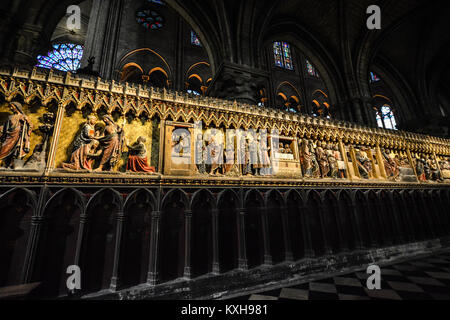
(194, 39)
(374, 77)
(311, 69)
(157, 2)
(385, 118)
(282, 55)
(64, 57)
(147, 18)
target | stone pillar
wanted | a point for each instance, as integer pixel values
(369, 217)
(398, 228)
(340, 225)
(117, 252)
(409, 225)
(215, 236)
(152, 274)
(384, 224)
(26, 45)
(266, 236)
(356, 108)
(187, 244)
(288, 256)
(102, 35)
(326, 240)
(37, 221)
(237, 82)
(307, 241)
(356, 225)
(426, 215)
(369, 112)
(242, 252)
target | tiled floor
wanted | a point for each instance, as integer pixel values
(425, 278)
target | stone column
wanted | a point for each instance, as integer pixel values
(307, 241)
(26, 44)
(152, 274)
(326, 240)
(356, 225)
(398, 230)
(117, 252)
(187, 244)
(238, 82)
(369, 217)
(288, 256)
(384, 224)
(339, 217)
(266, 236)
(215, 236)
(242, 252)
(407, 218)
(102, 36)
(37, 221)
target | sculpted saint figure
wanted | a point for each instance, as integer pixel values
(360, 161)
(15, 136)
(215, 152)
(112, 144)
(137, 158)
(83, 158)
(229, 156)
(420, 169)
(315, 163)
(243, 153)
(87, 133)
(390, 165)
(306, 158)
(341, 163)
(253, 153)
(435, 173)
(200, 154)
(334, 170)
(264, 155)
(322, 159)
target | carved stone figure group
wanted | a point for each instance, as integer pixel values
(321, 160)
(246, 153)
(105, 146)
(427, 169)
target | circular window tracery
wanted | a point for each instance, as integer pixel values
(150, 19)
(63, 57)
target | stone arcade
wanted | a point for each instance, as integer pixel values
(125, 228)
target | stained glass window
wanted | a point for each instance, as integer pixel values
(149, 19)
(287, 56)
(64, 57)
(374, 77)
(194, 39)
(194, 92)
(282, 55)
(277, 54)
(385, 118)
(311, 69)
(157, 2)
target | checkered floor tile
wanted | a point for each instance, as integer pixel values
(424, 279)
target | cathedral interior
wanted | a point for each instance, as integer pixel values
(179, 149)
